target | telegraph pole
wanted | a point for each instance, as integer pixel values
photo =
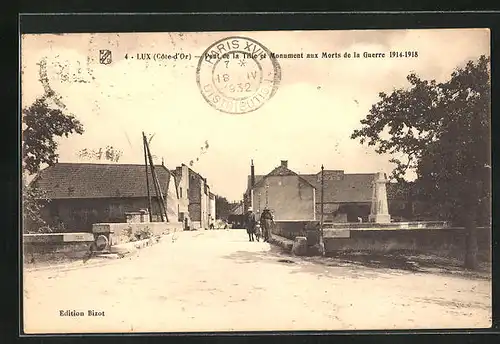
(147, 177)
(159, 195)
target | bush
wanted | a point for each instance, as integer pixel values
(140, 234)
(143, 233)
(127, 232)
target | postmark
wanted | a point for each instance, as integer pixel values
(237, 75)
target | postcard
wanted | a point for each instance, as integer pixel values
(256, 181)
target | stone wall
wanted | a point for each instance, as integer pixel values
(430, 237)
(389, 226)
(449, 242)
(194, 212)
(194, 196)
(55, 246)
(292, 229)
(182, 173)
(54, 252)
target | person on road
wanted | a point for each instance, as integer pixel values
(250, 224)
(266, 223)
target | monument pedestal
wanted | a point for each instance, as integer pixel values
(380, 218)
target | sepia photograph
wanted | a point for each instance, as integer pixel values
(315, 180)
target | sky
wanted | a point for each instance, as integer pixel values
(317, 106)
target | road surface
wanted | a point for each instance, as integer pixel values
(218, 281)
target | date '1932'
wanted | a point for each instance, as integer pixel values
(232, 87)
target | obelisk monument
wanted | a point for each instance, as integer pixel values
(379, 210)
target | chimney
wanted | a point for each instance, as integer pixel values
(252, 175)
(284, 163)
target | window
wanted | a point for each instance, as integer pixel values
(180, 192)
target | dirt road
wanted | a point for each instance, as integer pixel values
(218, 281)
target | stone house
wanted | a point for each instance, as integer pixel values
(196, 192)
(236, 214)
(82, 194)
(212, 209)
(288, 195)
(293, 196)
(181, 176)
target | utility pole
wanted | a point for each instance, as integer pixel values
(147, 177)
(159, 196)
(159, 193)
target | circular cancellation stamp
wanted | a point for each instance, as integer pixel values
(237, 75)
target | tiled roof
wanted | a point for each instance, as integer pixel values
(282, 171)
(76, 180)
(237, 209)
(355, 187)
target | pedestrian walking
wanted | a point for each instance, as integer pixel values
(250, 223)
(266, 223)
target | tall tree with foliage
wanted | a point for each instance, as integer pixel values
(222, 207)
(42, 124)
(444, 131)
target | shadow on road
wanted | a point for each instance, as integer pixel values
(405, 262)
(362, 265)
(273, 253)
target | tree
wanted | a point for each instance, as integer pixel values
(444, 131)
(222, 207)
(42, 124)
(33, 201)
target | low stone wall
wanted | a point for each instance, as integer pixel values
(448, 242)
(120, 233)
(292, 229)
(57, 238)
(54, 252)
(284, 243)
(388, 226)
(55, 246)
(431, 237)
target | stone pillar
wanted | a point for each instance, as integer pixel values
(379, 210)
(299, 247)
(144, 217)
